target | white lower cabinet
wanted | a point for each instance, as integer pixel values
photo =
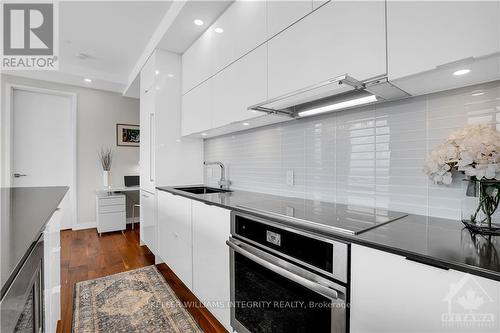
(192, 242)
(174, 231)
(52, 272)
(110, 212)
(211, 229)
(148, 225)
(390, 293)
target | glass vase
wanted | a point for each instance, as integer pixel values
(480, 211)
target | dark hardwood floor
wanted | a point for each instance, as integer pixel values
(85, 255)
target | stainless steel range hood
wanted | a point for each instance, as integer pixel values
(336, 94)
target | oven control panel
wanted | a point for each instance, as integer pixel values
(273, 238)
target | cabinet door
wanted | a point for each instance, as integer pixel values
(211, 229)
(282, 14)
(52, 271)
(392, 294)
(424, 34)
(338, 38)
(197, 63)
(428, 41)
(197, 109)
(175, 239)
(148, 220)
(244, 25)
(238, 86)
(147, 148)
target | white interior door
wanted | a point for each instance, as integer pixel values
(42, 143)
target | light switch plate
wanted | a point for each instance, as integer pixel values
(289, 177)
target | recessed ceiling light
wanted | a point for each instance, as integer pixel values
(219, 30)
(203, 134)
(157, 72)
(461, 72)
(87, 80)
(198, 22)
(477, 93)
(246, 124)
(170, 75)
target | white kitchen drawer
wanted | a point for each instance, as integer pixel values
(112, 200)
(111, 222)
(112, 209)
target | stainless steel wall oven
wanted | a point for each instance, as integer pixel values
(286, 280)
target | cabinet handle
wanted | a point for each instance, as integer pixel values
(151, 146)
(432, 264)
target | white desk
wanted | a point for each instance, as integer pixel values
(114, 189)
(111, 214)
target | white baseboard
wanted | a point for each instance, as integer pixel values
(129, 220)
(93, 224)
(85, 225)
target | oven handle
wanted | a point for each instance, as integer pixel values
(320, 289)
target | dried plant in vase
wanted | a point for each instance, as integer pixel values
(106, 158)
(475, 152)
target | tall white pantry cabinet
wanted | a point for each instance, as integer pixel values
(165, 158)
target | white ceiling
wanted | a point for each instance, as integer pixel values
(109, 41)
(112, 34)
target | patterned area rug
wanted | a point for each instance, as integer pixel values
(133, 301)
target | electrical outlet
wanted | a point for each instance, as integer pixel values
(289, 177)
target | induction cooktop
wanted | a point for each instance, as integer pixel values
(336, 217)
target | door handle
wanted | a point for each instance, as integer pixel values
(17, 175)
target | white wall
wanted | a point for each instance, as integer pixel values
(371, 156)
(98, 112)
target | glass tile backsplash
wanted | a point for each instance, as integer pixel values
(371, 156)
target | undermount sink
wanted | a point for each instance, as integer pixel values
(201, 190)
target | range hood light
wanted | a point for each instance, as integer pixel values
(338, 106)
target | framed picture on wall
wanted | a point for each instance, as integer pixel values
(127, 135)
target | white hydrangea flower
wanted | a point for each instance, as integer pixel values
(473, 150)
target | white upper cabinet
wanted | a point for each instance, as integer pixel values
(240, 85)
(338, 38)
(282, 14)
(244, 26)
(441, 37)
(197, 109)
(197, 62)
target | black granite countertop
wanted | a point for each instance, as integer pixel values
(24, 212)
(434, 241)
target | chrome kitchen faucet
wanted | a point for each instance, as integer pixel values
(223, 182)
